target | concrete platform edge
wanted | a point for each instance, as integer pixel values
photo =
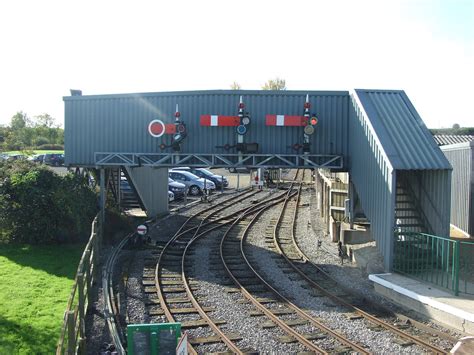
(423, 299)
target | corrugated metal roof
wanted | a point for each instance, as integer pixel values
(405, 139)
(445, 139)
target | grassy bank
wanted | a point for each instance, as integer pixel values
(36, 282)
(35, 152)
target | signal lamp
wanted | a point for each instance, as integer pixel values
(178, 137)
(181, 128)
(245, 120)
(314, 121)
(162, 146)
(177, 114)
(241, 105)
(309, 130)
(241, 130)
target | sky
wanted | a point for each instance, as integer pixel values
(425, 47)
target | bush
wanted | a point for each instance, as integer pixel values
(37, 205)
(40, 141)
(50, 147)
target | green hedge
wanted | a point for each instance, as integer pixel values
(38, 206)
(50, 147)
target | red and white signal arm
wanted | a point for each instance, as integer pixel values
(219, 121)
(285, 120)
(157, 128)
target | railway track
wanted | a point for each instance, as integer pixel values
(269, 301)
(111, 311)
(174, 288)
(284, 241)
(175, 294)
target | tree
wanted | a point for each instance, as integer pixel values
(45, 120)
(235, 86)
(276, 84)
(19, 121)
(456, 126)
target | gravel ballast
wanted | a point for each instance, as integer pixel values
(211, 285)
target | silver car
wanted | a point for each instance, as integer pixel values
(194, 184)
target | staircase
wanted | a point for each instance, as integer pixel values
(128, 196)
(408, 217)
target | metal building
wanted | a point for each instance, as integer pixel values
(461, 157)
(375, 135)
(400, 176)
(446, 139)
(98, 125)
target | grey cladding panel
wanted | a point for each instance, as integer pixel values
(119, 123)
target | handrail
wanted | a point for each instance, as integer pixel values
(431, 258)
(71, 340)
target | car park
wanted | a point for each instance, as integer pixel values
(53, 159)
(194, 184)
(177, 188)
(218, 180)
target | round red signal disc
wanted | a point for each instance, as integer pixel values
(156, 128)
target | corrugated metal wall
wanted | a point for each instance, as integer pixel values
(119, 123)
(152, 186)
(374, 180)
(461, 157)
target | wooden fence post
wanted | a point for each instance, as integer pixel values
(71, 333)
(82, 346)
(82, 304)
(87, 270)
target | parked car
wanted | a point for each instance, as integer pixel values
(37, 158)
(53, 159)
(177, 188)
(16, 157)
(194, 183)
(241, 170)
(206, 174)
(170, 196)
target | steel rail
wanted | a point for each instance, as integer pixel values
(229, 343)
(252, 299)
(299, 311)
(110, 311)
(182, 232)
(339, 300)
(169, 316)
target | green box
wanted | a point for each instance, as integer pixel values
(153, 339)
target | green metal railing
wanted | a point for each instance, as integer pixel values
(445, 262)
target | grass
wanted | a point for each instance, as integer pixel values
(35, 285)
(35, 152)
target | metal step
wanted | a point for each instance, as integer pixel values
(407, 225)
